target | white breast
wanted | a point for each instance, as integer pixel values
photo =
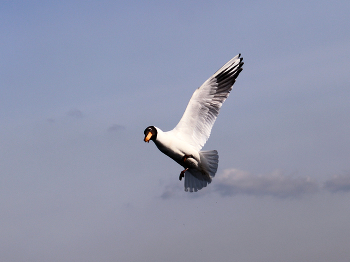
(175, 148)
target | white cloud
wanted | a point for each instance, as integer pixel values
(234, 182)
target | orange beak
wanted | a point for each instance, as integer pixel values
(148, 137)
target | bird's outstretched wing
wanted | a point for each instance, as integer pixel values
(202, 110)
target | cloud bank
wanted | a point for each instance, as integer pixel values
(338, 183)
(234, 182)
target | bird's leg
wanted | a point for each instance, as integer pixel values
(185, 157)
(182, 174)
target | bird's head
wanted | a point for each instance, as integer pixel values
(150, 134)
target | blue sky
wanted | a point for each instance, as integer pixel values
(81, 80)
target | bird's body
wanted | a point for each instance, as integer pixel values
(184, 142)
(175, 148)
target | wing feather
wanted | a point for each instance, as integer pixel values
(203, 108)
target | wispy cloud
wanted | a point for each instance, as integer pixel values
(233, 182)
(75, 113)
(338, 183)
(50, 120)
(115, 128)
(171, 191)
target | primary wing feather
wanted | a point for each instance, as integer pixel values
(202, 110)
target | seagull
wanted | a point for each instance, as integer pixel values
(184, 143)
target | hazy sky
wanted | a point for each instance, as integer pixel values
(81, 80)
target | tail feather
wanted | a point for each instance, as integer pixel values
(210, 161)
(195, 179)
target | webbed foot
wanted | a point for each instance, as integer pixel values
(182, 174)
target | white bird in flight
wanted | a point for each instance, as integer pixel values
(184, 142)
